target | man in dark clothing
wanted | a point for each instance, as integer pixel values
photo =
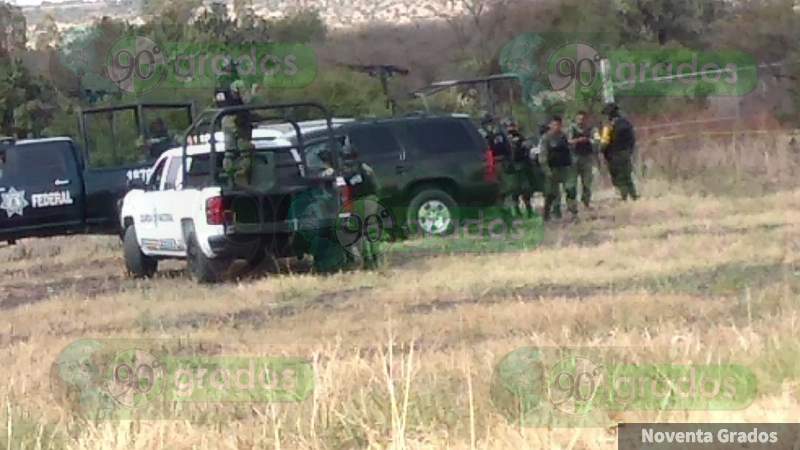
(556, 160)
(521, 169)
(617, 143)
(374, 221)
(500, 149)
(581, 139)
(160, 140)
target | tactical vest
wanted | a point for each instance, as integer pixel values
(499, 145)
(518, 151)
(558, 153)
(622, 136)
(583, 148)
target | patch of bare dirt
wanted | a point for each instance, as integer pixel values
(13, 295)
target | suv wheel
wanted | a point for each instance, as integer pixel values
(137, 263)
(432, 212)
(202, 268)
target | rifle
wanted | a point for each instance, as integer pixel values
(384, 72)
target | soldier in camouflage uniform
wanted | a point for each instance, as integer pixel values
(237, 128)
(501, 151)
(359, 235)
(521, 169)
(557, 162)
(617, 144)
(538, 178)
(581, 138)
(364, 193)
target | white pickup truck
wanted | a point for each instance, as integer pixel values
(187, 213)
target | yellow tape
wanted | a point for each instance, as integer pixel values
(708, 134)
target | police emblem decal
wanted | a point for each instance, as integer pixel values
(13, 202)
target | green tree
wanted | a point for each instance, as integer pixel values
(28, 101)
(304, 26)
(13, 38)
(661, 21)
(83, 59)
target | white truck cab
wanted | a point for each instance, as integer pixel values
(189, 209)
(176, 217)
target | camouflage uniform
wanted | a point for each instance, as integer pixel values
(354, 240)
(522, 176)
(237, 129)
(364, 184)
(585, 159)
(501, 150)
(558, 165)
(617, 143)
(538, 177)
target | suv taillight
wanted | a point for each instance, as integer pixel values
(346, 195)
(491, 166)
(215, 211)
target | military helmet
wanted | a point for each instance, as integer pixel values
(229, 88)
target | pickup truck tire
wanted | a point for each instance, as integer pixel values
(202, 268)
(137, 263)
(432, 212)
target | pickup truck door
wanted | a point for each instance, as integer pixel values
(171, 208)
(158, 225)
(41, 187)
(105, 188)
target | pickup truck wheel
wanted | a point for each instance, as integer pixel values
(432, 212)
(202, 268)
(137, 263)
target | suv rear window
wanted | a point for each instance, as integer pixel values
(441, 136)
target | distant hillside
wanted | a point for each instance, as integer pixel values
(336, 13)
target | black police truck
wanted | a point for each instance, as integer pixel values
(55, 186)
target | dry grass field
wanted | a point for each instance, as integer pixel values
(403, 357)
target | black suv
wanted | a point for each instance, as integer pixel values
(431, 170)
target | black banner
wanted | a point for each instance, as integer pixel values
(709, 436)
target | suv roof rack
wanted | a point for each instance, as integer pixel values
(483, 82)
